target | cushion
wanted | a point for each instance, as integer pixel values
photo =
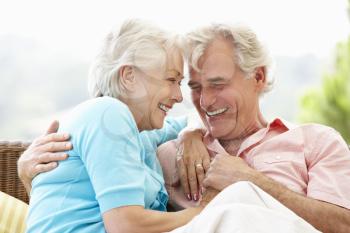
(13, 214)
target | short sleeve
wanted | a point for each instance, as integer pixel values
(110, 150)
(329, 169)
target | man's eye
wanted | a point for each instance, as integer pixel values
(218, 85)
(194, 87)
(173, 80)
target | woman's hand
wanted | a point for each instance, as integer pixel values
(192, 162)
(42, 155)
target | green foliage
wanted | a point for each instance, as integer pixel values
(330, 103)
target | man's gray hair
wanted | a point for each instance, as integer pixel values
(249, 51)
(136, 43)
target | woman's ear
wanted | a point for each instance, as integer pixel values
(127, 80)
(260, 77)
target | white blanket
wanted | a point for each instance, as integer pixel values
(243, 207)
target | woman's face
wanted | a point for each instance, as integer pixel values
(159, 90)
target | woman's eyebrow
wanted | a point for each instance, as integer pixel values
(175, 73)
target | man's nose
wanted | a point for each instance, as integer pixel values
(207, 98)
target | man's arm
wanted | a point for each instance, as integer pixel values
(326, 217)
(42, 155)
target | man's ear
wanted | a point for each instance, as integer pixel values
(127, 80)
(260, 77)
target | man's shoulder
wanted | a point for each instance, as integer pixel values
(317, 133)
(307, 127)
(319, 137)
(317, 128)
(313, 134)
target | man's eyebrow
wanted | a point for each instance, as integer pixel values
(216, 79)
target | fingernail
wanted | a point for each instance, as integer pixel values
(195, 197)
(189, 197)
(68, 145)
(66, 135)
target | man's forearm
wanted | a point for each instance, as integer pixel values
(324, 216)
(28, 187)
(27, 184)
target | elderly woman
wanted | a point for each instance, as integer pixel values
(112, 180)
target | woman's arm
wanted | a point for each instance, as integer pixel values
(193, 161)
(135, 219)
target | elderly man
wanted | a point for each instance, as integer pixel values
(306, 167)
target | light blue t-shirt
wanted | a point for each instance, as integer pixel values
(111, 165)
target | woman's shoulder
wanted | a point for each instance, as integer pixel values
(101, 111)
(99, 106)
(103, 103)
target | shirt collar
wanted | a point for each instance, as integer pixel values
(278, 123)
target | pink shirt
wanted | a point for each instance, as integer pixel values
(310, 159)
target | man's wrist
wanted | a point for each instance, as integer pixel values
(272, 187)
(255, 177)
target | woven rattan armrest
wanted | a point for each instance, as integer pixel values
(9, 180)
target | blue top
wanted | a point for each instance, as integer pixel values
(111, 165)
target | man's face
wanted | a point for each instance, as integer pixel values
(226, 100)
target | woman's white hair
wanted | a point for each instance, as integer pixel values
(249, 51)
(136, 43)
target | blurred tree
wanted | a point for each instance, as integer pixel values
(330, 103)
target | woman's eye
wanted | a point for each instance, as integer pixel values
(174, 81)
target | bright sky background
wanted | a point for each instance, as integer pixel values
(288, 27)
(63, 32)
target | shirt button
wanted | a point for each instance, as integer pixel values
(278, 157)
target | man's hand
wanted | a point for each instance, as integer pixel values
(42, 155)
(207, 196)
(226, 170)
(326, 217)
(192, 162)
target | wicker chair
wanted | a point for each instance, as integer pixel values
(9, 180)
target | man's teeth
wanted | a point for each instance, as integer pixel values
(219, 111)
(163, 107)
